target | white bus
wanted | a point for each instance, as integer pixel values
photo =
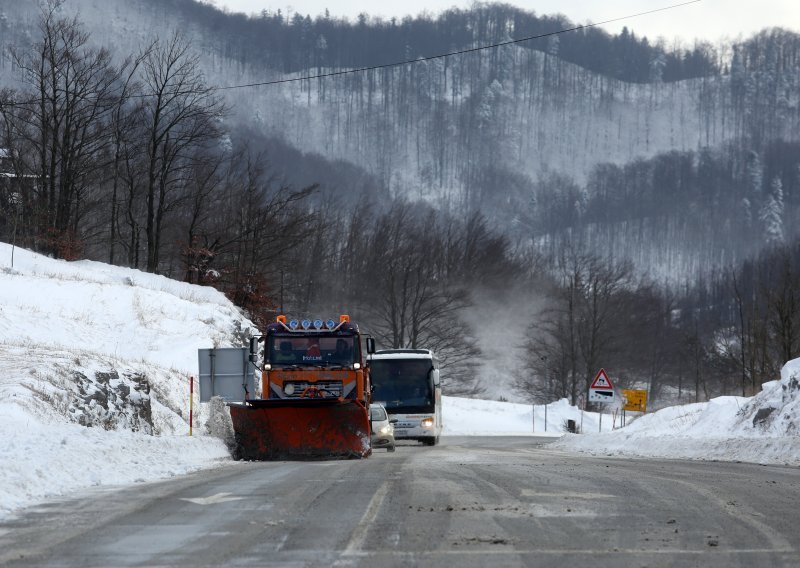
(406, 383)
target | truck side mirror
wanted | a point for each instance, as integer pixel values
(253, 349)
(435, 376)
(370, 345)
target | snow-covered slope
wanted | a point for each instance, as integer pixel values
(94, 358)
(95, 340)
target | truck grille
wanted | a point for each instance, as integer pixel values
(331, 388)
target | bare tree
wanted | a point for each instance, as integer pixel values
(181, 116)
(576, 335)
(125, 145)
(783, 302)
(600, 302)
(414, 297)
(411, 294)
(61, 123)
(242, 228)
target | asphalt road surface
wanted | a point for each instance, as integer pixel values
(467, 502)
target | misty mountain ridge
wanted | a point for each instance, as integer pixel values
(679, 161)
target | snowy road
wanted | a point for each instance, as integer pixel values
(467, 502)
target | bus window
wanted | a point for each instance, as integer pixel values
(402, 383)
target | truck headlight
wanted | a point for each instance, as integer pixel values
(289, 389)
(386, 429)
(427, 422)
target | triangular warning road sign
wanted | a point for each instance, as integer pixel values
(601, 381)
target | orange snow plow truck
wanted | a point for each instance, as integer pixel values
(315, 392)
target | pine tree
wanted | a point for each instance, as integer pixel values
(755, 175)
(772, 214)
(747, 213)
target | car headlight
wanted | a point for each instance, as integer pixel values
(386, 429)
(427, 422)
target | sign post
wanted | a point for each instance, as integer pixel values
(545, 418)
(191, 402)
(602, 389)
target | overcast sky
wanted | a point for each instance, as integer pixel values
(708, 19)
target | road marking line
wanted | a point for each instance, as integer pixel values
(282, 542)
(561, 495)
(213, 500)
(360, 534)
(568, 552)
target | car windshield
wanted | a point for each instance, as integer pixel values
(402, 383)
(377, 414)
(311, 350)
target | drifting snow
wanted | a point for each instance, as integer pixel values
(96, 363)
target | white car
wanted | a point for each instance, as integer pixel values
(382, 427)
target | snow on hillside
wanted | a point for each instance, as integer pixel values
(94, 358)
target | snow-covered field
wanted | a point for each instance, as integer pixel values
(95, 362)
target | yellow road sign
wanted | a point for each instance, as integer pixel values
(635, 400)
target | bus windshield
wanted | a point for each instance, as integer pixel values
(403, 384)
(311, 350)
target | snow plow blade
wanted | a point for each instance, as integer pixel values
(300, 429)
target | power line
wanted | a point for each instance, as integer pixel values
(420, 59)
(454, 53)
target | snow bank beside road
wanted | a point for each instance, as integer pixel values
(41, 461)
(762, 429)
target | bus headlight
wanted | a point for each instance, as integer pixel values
(289, 389)
(427, 423)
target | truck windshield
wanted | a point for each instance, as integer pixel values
(290, 350)
(402, 384)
